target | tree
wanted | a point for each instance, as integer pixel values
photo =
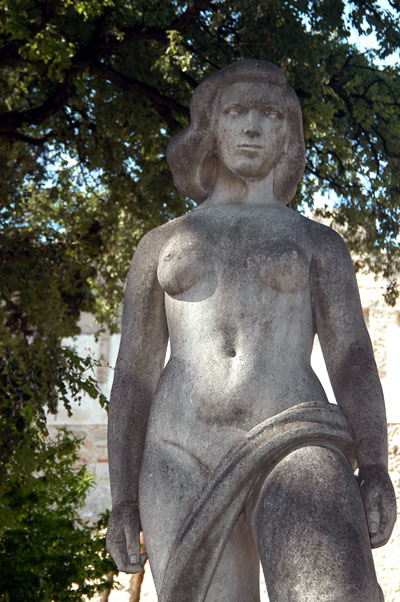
(47, 552)
(51, 554)
(96, 89)
(90, 93)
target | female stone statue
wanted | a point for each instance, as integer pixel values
(232, 450)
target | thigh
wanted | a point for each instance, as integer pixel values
(309, 526)
(170, 479)
(237, 578)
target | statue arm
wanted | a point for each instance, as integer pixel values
(349, 357)
(140, 361)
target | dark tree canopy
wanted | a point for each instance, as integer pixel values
(92, 91)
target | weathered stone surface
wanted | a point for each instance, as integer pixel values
(387, 558)
(240, 286)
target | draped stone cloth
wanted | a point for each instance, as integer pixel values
(205, 530)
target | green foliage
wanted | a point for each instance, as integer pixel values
(47, 552)
(91, 92)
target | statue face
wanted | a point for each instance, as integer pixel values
(251, 129)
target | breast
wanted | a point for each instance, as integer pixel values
(183, 263)
(282, 266)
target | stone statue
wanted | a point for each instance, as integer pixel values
(231, 453)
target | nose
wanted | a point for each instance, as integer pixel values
(252, 125)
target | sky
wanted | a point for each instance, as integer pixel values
(363, 43)
(369, 42)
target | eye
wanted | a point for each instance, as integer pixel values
(233, 111)
(273, 115)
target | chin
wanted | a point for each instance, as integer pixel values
(255, 172)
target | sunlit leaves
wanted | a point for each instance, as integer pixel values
(103, 152)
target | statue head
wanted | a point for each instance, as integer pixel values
(193, 154)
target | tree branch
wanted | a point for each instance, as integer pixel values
(29, 139)
(12, 120)
(149, 32)
(164, 105)
(191, 14)
(10, 52)
(89, 56)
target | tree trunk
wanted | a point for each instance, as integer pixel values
(106, 594)
(135, 586)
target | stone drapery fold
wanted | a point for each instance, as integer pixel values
(205, 530)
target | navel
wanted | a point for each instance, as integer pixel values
(228, 342)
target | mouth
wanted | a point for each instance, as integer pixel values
(250, 146)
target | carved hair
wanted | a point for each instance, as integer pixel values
(191, 154)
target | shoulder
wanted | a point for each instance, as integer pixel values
(332, 268)
(326, 244)
(323, 244)
(152, 242)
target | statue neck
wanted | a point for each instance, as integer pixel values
(231, 189)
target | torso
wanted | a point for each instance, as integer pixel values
(239, 311)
